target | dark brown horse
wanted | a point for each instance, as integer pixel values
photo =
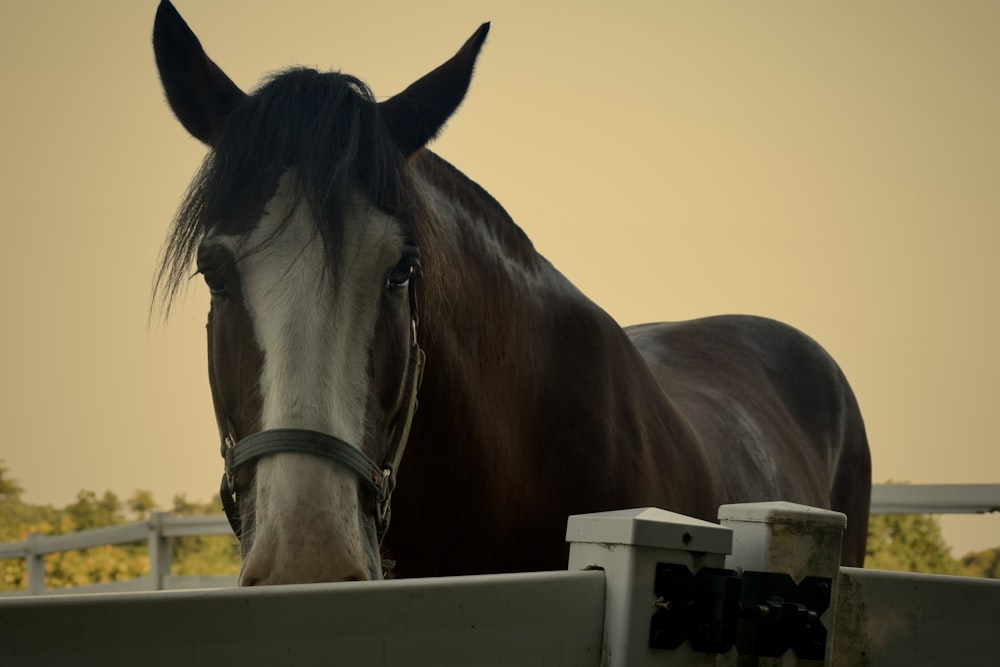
(338, 250)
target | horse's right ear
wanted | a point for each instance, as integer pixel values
(200, 93)
(418, 113)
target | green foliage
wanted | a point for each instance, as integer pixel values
(89, 511)
(14, 514)
(913, 543)
(10, 489)
(908, 543)
(141, 503)
(981, 564)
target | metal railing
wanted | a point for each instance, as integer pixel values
(158, 530)
(161, 528)
(643, 588)
(935, 498)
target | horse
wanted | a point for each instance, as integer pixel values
(354, 274)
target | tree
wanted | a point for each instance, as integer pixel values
(10, 489)
(15, 515)
(141, 503)
(908, 543)
(981, 564)
(89, 511)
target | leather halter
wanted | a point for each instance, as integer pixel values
(377, 480)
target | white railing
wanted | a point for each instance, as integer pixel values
(935, 498)
(161, 527)
(158, 531)
(611, 608)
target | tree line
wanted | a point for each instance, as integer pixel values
(910, 543)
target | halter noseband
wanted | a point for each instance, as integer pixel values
(379, 481)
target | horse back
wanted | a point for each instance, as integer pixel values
(773, 413)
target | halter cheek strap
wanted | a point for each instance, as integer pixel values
(377, 480)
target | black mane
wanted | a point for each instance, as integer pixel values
(327, 127)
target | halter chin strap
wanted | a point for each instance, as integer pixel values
(377, 480)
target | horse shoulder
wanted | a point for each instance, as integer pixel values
(768, 402)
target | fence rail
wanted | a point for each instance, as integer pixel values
(935, 498)
(753, 591)
(161, 528)
(158, 530)
(495, 619)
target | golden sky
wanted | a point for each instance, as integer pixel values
(832, 165)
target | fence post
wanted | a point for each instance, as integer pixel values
(160, 551)
(627, 545)
(785, 537)
(35, 561)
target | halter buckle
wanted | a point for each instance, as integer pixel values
(228, 443)
(228, 490)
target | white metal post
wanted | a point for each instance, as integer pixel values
(160, 551)
(794, 539)
(35, 561)
(627, 545)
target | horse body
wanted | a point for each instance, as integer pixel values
(685, 415)
(317, 213)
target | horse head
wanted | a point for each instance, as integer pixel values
(307, 228)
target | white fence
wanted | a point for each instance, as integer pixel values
(935, 498)
(161, 528)
(158, 531)
(602, 612)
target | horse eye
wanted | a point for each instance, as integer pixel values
(401, 274)
(216, 285)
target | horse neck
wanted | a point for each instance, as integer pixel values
(489, 295)
(533, 398)
(513, 342)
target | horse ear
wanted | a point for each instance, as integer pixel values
(200, 93)
(418, 113)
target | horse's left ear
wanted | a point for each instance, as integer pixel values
(200, 93)
(418, 113)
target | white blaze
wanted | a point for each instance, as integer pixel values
(315, 332)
